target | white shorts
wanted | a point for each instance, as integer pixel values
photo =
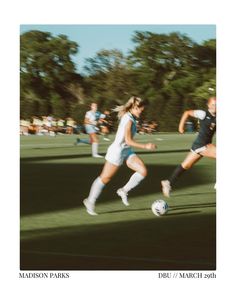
(117, 155)
(90, 129)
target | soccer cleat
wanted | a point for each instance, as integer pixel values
(98, 156)
(166, 188)
(77, 141)
(124, 196)
(89, 206)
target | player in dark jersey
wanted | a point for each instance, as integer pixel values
(201, 147)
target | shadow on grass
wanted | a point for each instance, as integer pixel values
(184, 242)
(148, 209)
(62, 157)
(171, 209)
(46, 187)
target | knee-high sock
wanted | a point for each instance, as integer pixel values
(179, 170)
(134, 180)
(94, 148)
(95, 190)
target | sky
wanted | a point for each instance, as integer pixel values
(92, 38)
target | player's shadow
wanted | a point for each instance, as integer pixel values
(46, 187)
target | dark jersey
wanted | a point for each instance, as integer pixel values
(207, 128)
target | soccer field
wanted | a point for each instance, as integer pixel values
(58, 234)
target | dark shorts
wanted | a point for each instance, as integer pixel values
(198, 146)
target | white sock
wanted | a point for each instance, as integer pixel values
(134, 180)
(95, 190)
(94, 148)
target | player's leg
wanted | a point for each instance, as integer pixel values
(137, 165)
(94, 141)
(83, 140)
(188, 162)
(107, 173)
(210, 151)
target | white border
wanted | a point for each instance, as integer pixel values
(221, 13)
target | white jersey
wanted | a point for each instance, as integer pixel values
(119, 151)
(199, 114)
(120, 135)
(94, 116)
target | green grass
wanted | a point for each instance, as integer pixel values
(57, 233)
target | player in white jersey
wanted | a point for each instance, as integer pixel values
(90, 122)
(119, 151)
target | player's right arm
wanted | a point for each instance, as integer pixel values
(199, 114)
(129, 140)
(184, 118)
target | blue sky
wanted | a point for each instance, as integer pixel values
(92, 38)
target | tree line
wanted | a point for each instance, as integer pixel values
(171, 71)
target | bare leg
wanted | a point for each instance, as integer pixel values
(109, 170)
(190, 160)
(210, 151)
(93, 137)
(137, 165)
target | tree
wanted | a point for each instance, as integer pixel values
(171, 71)
(46, 69)
(203, 92)
(205, 55)
(109, 80)
(158, 58)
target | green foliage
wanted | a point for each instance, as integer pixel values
(171, 71)
(46, 68)
(203, 92)
(110, 78)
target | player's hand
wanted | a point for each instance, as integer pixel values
(150, 146)
(181, 130)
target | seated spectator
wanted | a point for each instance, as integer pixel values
(70, 125)
(61, 125)
(37, 125)
(24, 126)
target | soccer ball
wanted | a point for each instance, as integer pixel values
(159, 207)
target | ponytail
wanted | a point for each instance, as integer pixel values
(132, 102)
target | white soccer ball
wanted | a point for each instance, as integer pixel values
(159, 207)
